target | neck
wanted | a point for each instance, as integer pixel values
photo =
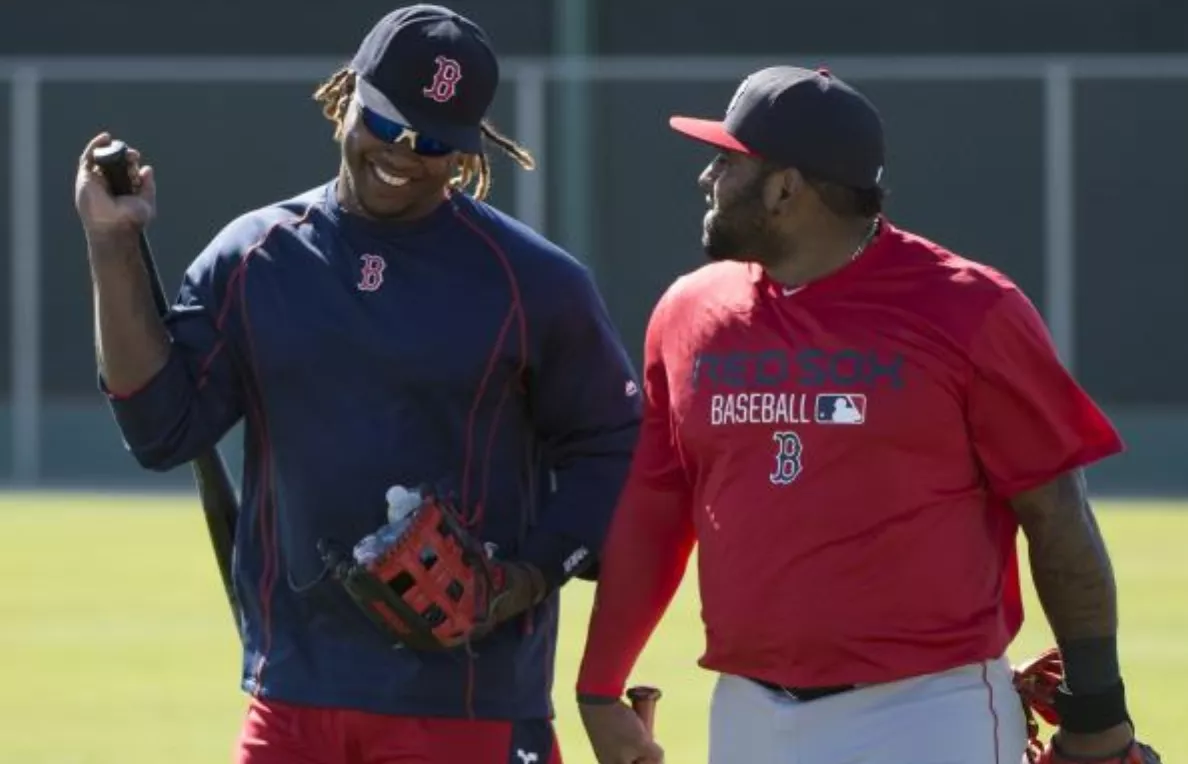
(821, 250)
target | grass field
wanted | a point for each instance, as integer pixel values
(117, 648)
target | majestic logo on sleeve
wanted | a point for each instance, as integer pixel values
(445, 80)
(371, 275)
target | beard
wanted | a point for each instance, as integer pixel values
(737, 230)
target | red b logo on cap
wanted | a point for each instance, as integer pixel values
(445, 80)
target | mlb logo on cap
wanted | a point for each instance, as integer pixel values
(840, 408)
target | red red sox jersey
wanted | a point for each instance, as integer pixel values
(842, 456)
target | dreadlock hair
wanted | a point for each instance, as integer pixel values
(335, 97)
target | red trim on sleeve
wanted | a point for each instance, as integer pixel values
(116, 395)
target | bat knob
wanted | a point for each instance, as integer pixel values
(642, 693)
(112, 161)
(643, 703)
(112, 153)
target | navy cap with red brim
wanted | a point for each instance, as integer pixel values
(711, 131)
(803, 118)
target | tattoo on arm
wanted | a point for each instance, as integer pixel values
(1069, 562)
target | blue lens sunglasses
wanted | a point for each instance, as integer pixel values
(391, 131)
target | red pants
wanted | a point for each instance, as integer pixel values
(279, 733)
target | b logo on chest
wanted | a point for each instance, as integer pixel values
(371, 275)
(445, 80)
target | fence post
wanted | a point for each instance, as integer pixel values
(574, 32)
(24, 198)
(532, 129)
(1060, 210)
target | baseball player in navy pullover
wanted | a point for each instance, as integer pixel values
(385, 328)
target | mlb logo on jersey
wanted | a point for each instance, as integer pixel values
(840, 408)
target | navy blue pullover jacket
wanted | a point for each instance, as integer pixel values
(462, 350)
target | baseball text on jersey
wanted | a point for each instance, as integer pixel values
(760, 387)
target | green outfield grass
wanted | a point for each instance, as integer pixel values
(117, 648)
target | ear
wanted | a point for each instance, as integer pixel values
(781, 188)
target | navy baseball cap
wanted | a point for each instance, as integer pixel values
(802, 118)
(431, 69)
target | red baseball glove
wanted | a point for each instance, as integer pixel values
(428, 583)
(1036, 681)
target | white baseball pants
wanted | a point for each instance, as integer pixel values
(968, 715)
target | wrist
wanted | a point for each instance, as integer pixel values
(518, 588)
(1090, 664)
(530, 580)
(1091, 713)
(1110, 745)
(113, 255)
(558, 557)
(112, 239)
(1092, 697)
(601, 690)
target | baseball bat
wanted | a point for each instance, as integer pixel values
(643, 702)
(220, 501)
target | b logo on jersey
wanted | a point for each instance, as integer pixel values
(840, 408)
(788, 457)
(445, 80)
(371, 275)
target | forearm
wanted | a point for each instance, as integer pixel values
(642, 565)
(1073, 578)
(574, 514)
(173, 390)
(131, 343)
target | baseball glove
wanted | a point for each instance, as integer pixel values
(428, 583)
(1037, 682)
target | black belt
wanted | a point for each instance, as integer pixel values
(805, 694)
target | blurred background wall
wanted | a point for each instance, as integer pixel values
(1045, 137)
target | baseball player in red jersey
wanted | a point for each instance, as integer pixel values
(852, 423)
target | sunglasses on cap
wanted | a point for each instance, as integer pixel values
(391, 131)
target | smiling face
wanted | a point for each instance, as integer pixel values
(389, 181)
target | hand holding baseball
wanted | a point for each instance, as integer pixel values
(102, 213)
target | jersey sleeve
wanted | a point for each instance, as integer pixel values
(1030, 420)
(585, 404)
(195, 399)
(650, 542)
